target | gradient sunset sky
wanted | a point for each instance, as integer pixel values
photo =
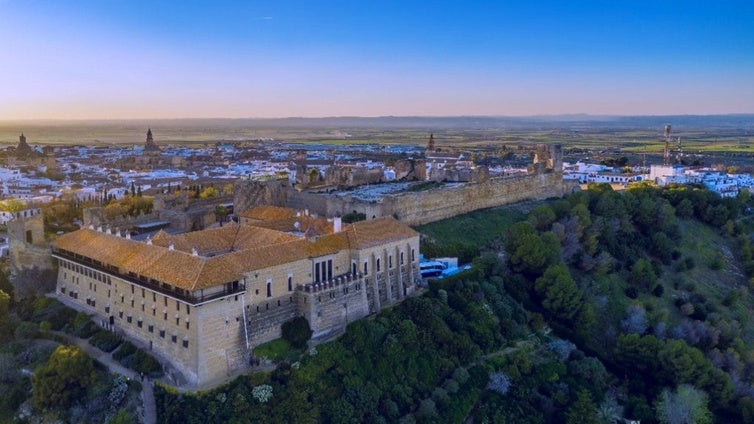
(114, 59)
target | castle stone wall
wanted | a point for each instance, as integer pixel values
(413, 208)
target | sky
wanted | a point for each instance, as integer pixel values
(121, 59)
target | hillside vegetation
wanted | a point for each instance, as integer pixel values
(594, 308)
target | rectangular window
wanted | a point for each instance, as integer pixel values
(150, 328)
(132, 289)
(177, 321)
(377, 265)
(269, 288)
(128, 319)
(143, 293)
(154, 297)
(413, 256)
(165, 316)
(185, 343)
(188, 310)
(390, 261)
(162, 333)
(402, 259)
(365, 268)
(174, 338)
(120, 314)
(138, 323)
(290, 283)
(187, 325)
(178, 306)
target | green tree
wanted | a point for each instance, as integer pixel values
(561, 295)
(643, 275)
(4, 305)
(685, 405)
(297, 332)
(63, 378)
(542, 217)
(221, 212)
(530, 253)
(583, 410)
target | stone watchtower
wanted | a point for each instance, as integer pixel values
(547, 158)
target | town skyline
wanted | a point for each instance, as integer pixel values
(137, 60)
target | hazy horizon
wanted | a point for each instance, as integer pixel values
(87, 60)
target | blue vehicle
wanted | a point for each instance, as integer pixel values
(431, 269)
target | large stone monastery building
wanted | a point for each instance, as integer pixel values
(202, 300)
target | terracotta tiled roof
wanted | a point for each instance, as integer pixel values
(222, 240)
(317, 225)
(377, 231)
(268, 213)
(243, 249)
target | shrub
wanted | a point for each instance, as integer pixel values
(105, 341)
(26, 330)
(353, 217)
(144, 362)
(297, 332)
(83, 326)
(126, 349)
(717, 262)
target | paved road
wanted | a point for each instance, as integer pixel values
(149, 409)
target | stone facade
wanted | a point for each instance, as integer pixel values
(29, 248)
(205, 338)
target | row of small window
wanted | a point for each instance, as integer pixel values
(154, 299)
(389, 262)
(86, 272)
(107, 279)
(267, 305)
(154, 313)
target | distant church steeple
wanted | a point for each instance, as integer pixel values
(431, 144)
(23, 149)
(150, 145)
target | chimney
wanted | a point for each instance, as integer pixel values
(194, 252)
(337, 224)
(108, 231)
(171, 246)
(91, 226)
(128, 235)
(149, 241)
